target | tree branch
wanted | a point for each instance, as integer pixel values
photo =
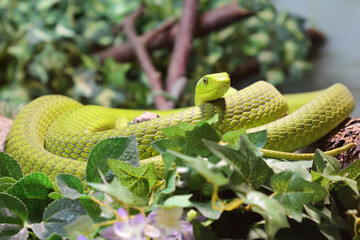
(208, 22)
(182, 47)
(144, 58)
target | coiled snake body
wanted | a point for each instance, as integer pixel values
(45, 122)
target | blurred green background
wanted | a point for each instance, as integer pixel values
(50, 46)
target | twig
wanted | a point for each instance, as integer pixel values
(182, 46)
(144, 58)
(208, 22)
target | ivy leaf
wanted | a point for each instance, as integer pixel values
(189, 137)
(69, 185)
(9, 167)
(56, 216)
(194, 145)
(179, 201)
(250, 167)
(332, 171)
(293, 192)
(177, 131)
(122, 148)
(300, 167)
(13, 215)
(116, 190)
(204, 168)
(352, 171)
(233, 137)
(167, 187)
(270, 209)
(33, 190)
(206, 210)
(258, 139)
(137, 179)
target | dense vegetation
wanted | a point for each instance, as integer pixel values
(54, 47)
(207, 185)
(203, 189)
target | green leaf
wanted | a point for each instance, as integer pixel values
(13, 215)
(293, 192)
(56, 216)
(137, 179)
(69, 185)
(55, 195)
(194, 145)
(332, 171)
(33, 190)
(203, 167)
(251, 167)
(300, 167)
(116, 190)
(179, 201)
(122, 148)
(270, 209)
(325, 220)
(92, 209)
(166, 188)
(9, 167)
(177, 131)
(258, 139)
(82, 225)
(6, 183)
(206, 210)
(352, 171)
(23, 234)
(201, 232)
(233, 137)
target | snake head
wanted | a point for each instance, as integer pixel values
(211, 87)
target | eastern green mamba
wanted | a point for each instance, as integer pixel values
(54, 134)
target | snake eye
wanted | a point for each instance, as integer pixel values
(205, 80)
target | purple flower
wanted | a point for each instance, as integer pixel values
(164, 224)
(170, 224)
(128, 228)
(81, 237)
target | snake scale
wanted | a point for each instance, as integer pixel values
(43, 139)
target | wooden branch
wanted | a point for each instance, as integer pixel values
(144, 58)
(208, 22)
(182, 46)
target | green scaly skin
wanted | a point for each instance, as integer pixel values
(45, 121)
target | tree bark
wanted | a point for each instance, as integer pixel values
(182, 47)
(208, 22)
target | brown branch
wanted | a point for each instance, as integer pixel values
(144, 58)
(208, 22)
(182, 46)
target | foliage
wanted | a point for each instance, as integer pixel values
(49, 47)
(203, 191)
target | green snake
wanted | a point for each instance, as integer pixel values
(54, 134)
